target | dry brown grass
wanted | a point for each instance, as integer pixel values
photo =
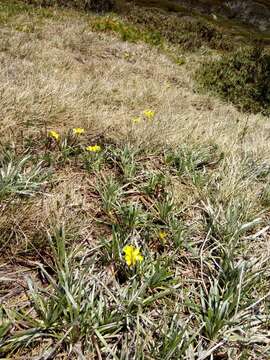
(24, 225)
(56, 73)
(62, 74)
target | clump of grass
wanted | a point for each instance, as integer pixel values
(127, 162)
(220, 300)
(242, 78)
(9, 9)
(229, 221)
(110, 192)
(265, 195)
(155, 183)
(192, 162)
(20, 177)
(188, 159)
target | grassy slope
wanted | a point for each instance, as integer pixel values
(197, 172)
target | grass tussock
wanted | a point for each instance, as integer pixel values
(133, 212)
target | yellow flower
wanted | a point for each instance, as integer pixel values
(78, 131)
(136, 120)
(149, 114)
(95, 148)
(162, 235)
(132, 255)
(54, 135)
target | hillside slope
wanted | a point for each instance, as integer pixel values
(66, 74)
(134, 211)
(253, 13)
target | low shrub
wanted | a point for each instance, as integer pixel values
(91, 5)
(189, 33)
(100, 5)
(127, 31)
(242, 78)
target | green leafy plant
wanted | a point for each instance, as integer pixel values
(176, 339)
(113, 248)
(154, 184)
(131, 216)
(165, 209)
(110, 192)
(228, 221)
(190, 159)
(21, 177)
(93, 162)
(227, 296)
(125, 158)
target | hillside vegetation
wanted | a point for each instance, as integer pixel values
(134, 206)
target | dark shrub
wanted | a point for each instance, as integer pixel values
(190, 33)
(242, 78)
(100, 5)
(92, 5)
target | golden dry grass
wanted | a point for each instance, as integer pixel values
(62, 74)
(56, 73)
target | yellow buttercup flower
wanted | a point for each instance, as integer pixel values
(78, 131)
(162, 235)
(136, 120)
(132, 255)
(95, 148)
(54, 135)
(149, 114)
